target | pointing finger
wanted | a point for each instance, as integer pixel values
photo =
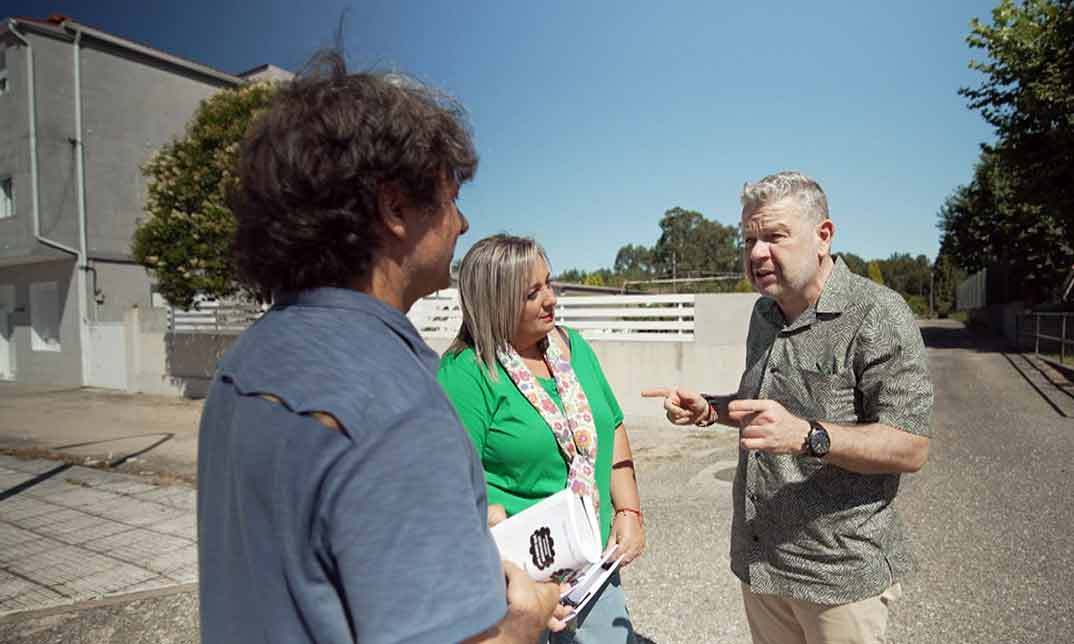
(660, 392)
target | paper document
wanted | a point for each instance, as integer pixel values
(559, 538)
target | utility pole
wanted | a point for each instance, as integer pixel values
(932, 274)
(674, 275)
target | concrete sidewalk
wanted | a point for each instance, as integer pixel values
(70, 533)
(97, 505)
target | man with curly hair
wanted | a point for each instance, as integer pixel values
(339, 498)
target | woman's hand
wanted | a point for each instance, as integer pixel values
(629, 534)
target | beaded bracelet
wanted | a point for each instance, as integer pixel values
(641, 518)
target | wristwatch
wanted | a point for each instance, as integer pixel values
(817, 441)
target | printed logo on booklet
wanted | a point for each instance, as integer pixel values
(558, 538)
(542, 548)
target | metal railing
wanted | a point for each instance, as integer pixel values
(1051, 327)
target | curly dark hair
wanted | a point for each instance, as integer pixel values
(310, 167)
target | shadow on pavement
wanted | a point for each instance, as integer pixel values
(116, 462)
(29, 483)
(947, 337)
(165, 437)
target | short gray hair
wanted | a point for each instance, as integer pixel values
(812, 202)
(493, 279)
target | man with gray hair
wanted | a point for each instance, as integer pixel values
(833, 406)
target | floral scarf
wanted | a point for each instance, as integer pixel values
(576, 432)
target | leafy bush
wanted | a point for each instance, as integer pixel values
(185, 242)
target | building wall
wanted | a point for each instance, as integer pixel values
(14, 144)
(131, 107)
(54, 90)
(120, 287)
(17, 241)
(132, 104)
(62, 367)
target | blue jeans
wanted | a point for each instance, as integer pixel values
(605, 620)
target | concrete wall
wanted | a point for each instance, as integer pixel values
(183, 364)
(62, 367)
(162, 363)
(16, 231)
(712, 363)
(131, 107)
(122, 286)
(54, 90)
(17, 242)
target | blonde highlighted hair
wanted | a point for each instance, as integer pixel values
(493, 279)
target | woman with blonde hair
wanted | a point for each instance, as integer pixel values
(539, 410)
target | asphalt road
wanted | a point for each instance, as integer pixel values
(992, 514)
(991, 517)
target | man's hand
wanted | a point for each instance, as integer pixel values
(683, 407)
(768, 426)
(532, 602)
(532, 608)
(496, 514)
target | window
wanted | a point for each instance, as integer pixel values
(3, 71)
(44, 316)
(7, 197)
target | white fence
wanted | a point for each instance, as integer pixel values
(210, 316)
(649, 318)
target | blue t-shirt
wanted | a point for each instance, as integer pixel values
(375, 533)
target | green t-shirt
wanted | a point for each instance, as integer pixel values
(523, 463)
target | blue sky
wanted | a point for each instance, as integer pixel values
(593, 118)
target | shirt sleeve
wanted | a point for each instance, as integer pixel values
(406, 528)
(466, 389)
(893, 371)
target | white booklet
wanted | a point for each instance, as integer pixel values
(559, 538)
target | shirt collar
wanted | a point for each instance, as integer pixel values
(345, 298)
(835, 297)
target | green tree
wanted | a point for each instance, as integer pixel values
(743, 286)
(692, 246)
(874, 272)
(634, 261)
(906, 274)
(185, 241)
(855, 263)
(1018, 212)
(946, 276)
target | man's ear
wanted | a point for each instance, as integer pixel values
(825, 231)
(391, 208)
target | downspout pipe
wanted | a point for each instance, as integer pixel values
(80, 191)
(80, 257)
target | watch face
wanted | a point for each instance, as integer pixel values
(819, 443)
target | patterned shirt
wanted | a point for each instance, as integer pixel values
(804, 528)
